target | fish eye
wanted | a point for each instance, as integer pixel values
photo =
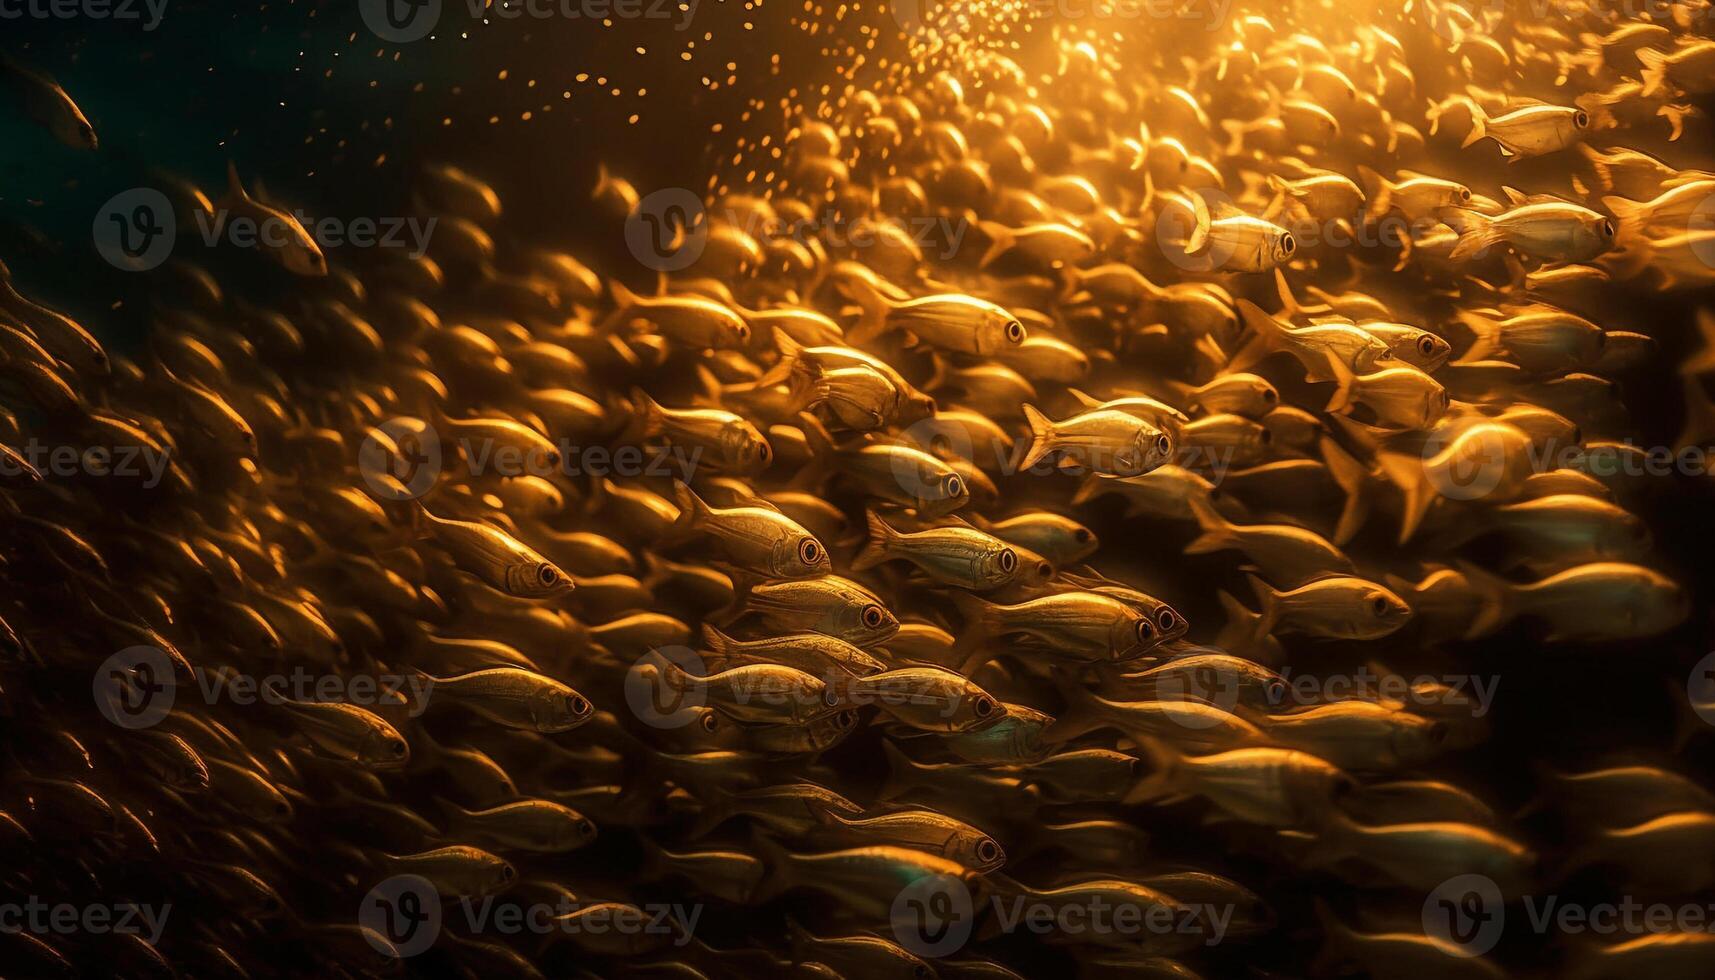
(1287, 245)
(1082, 535)
(282, 809)
(711, 723)
(1163, 445)
(955, 486)
(578, 705)
(1607, 228)
(396, 746)
(586, 827)
(987, 850)
(830, 697)
(763, 452)
(1167, 620)
(1270, 396)
(743, 331)
(1015, 332)
(547, 574)
(1145, 631)
(1464, 193)
(1265, 437)
(1008, 560)
(506, 872)
(1580, 119)
(1379, 605)
(874, 616)
(984, 707)
(809, 552)
(1426, 345)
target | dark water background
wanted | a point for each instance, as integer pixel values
(247, 83)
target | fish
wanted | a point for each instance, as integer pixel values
(279, 235)
(46, 104)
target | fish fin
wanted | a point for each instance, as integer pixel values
(1344, 379)
(874, 307)
(1479, 123)
(1487, 332)
(1654, 64)
(1158, 784)
(881, 538)
(1599, 167)
(1378, 193)
(1240, 633)
(1499, 605)
(1001, 241)
(693, 510)
(791, 353)
(1626, 212)
(978, 626)
(1476, 232)
(1217, 531)
(1081, 716)
(718, 641)
(1041, 436)
(235, 187)
(1086, 400)
(1406, 472)
(715, 812)
(777, 862)
(1354, 479)
(822, 452)
(1289, 306)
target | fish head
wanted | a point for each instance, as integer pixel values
(975, 850)
(536, 579)
(997, 565)
(1384, 609)
(1281, 246)
(799, 556)
(559, 710)
(977, 710)
(1625, 537)
(744, 448)
(1000, 331)
(300, 254)
(581, 832)
(875, 623)
(384, 748)
(942, 493)
(1420, 740)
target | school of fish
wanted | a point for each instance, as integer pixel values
(996, 479)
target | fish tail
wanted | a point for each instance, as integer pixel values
(1354, 479)
(714, 813)
(1041, 437)
(1378, 193)
(235, 193)
(1290, 308)
(1628, 214)
(718, 642)
(1344, 382)
(1487, 332)
(1499, 599)
(822, 451)
(1242, 624)
(649, 413)
(1479, 122)
(1081, 716)
(1159, 782)
(1001, 241)
(1599, 166)
(1265, 335)
(1268, 601)
(1654, 70)
(875, 306)
(1088, 490)
(979, 616)
(791, 352)
(875, 550)
(1217, 530)
(693, 511)
(1406, 472)
(1476, 232)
